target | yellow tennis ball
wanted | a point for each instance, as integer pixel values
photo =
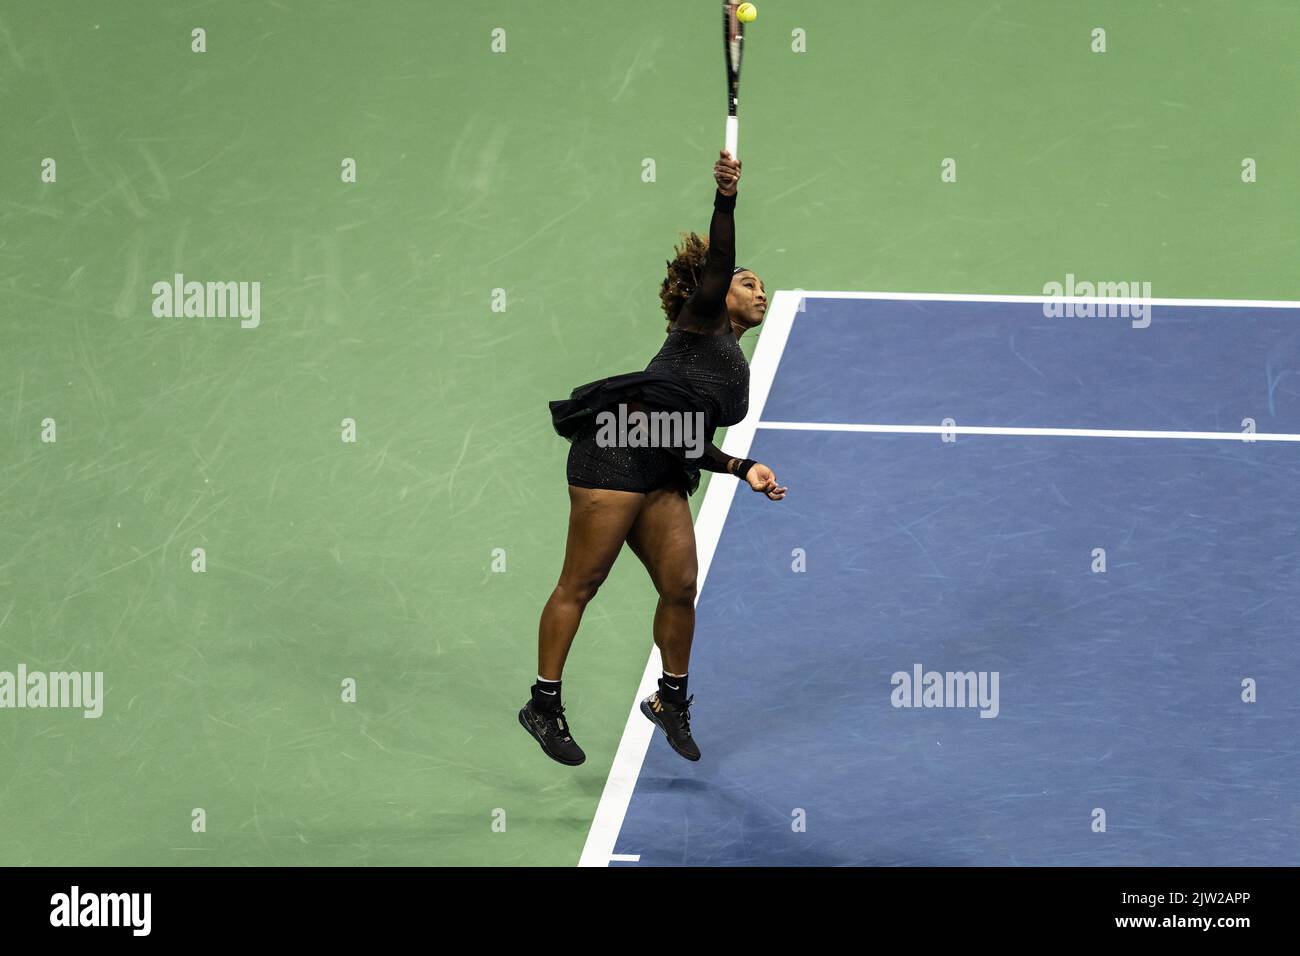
(746, 13)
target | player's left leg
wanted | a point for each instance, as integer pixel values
(663, 537)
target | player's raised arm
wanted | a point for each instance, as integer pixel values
(706, 310)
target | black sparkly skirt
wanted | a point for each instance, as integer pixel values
(591, 465)
(619, 468)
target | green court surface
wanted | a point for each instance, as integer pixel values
(478, 171)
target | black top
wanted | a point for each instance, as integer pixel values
(700, 366)
(705, 310)
(701, 347)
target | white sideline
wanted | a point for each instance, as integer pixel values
(963, 297)
(638, 731)
(1050, 432)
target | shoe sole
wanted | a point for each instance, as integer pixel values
(523, 722)
(650, 714)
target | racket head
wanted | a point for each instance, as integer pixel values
(733, 48)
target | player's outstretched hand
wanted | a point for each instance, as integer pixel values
(727, 173)
(761, 479)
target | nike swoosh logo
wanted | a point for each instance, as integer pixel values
(552, 693)
(671, 686)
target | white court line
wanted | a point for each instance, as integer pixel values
(638, 731)
(1050, 432)
(961, 297)
(612, 809)
(625, 858)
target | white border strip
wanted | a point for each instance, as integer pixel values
(638, 731)
(1051, 432)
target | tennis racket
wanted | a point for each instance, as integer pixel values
(733, 47)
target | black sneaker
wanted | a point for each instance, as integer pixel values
(551, 730)
(675, 719)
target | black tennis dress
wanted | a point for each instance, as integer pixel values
(700, 368)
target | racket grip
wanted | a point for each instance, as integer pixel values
(733, 134)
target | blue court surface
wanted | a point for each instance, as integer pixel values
(1159, 695)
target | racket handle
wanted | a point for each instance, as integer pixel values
(733, 134)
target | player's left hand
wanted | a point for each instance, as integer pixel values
(726, 172)
(762, 480)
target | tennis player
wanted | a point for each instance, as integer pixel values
(638, 495)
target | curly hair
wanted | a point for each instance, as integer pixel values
(683, 274)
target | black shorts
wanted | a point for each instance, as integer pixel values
(618, 468)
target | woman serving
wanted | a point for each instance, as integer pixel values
(621, 491)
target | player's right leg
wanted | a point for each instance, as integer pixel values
(599, 521)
